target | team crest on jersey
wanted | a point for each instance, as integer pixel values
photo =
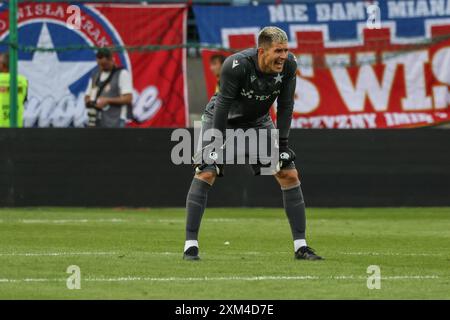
(278, 78)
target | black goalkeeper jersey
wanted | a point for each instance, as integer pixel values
(246, 93)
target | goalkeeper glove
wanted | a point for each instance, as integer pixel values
(208, 156)
(286, 154)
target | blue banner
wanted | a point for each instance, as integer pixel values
(341, 21)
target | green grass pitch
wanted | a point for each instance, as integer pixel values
(246, 254)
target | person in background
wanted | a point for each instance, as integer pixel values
(109, 93)
(22, 91)
(215, 65)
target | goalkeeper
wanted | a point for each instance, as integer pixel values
(250, 82)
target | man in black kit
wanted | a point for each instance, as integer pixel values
(250, 82)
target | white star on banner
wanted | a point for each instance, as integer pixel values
(47, 75)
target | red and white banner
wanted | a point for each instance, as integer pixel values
(356, 88)
(58, 79)
(376, 80)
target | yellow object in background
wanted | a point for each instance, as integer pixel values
(22, 88)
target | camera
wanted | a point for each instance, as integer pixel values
(92, 112)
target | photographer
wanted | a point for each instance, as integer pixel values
(109, 93)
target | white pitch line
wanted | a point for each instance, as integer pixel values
(233, 278)
(218, 220)
(237, 253)
(62, 221)
(55, 254)
(254, 253)
(167, 253)
(390, 254)
(166, 220)
(30, 280)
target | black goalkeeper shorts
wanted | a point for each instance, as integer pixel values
(252, 157)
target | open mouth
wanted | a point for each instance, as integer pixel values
(279, 64)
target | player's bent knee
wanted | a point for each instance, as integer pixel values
(207, 176)
(288, 177)
(287, 174)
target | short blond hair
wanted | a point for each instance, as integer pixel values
(268, 35)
